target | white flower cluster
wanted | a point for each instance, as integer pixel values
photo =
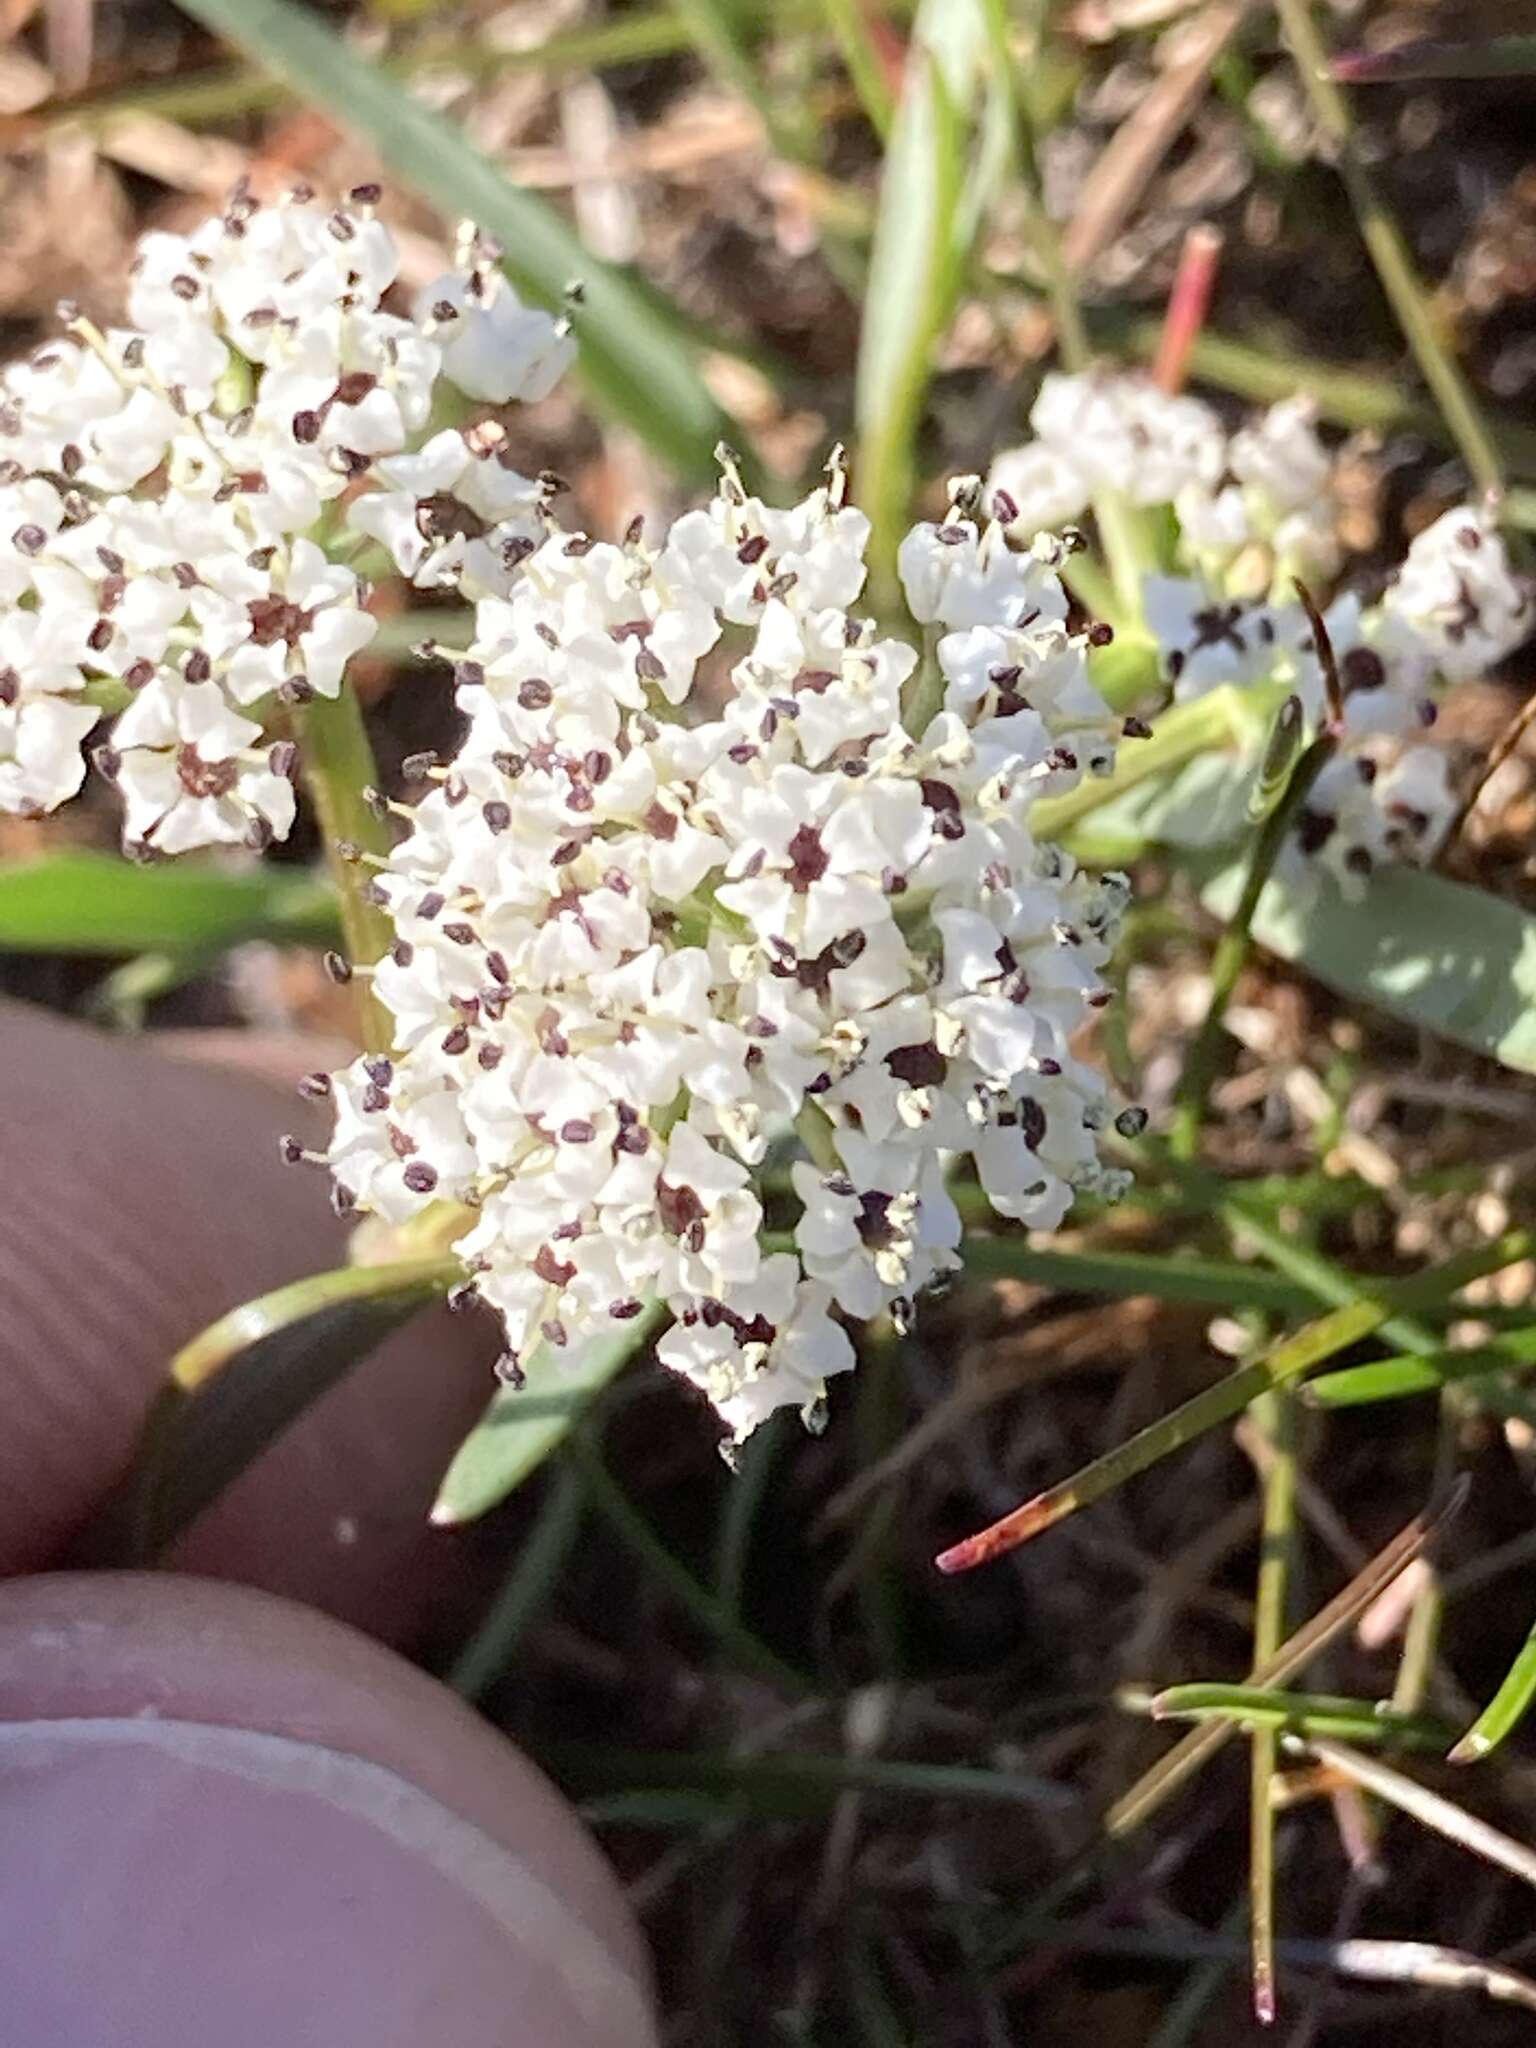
(696, 880)
(1254, 510)
(163, 485)
(1252, 506)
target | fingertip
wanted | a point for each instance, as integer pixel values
(234, 1820)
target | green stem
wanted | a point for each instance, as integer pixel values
(1298, 1713)
(337, 758)
(1388, 249)
(1298, 1355)
(1118, 529)
(862, 62)
(1274, 1419)
(710, 1613)
(1225, 717)
(1156, 1786)
(1203, 1058)
(1504, 1712)
(528, 1585)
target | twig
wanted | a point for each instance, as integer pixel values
(1440, 1815)
(1159, 1784)
(1188, 304)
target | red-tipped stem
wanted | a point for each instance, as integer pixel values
(1188, 304)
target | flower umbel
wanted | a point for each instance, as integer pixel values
(646, 931)
(169, 489)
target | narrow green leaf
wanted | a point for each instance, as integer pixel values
(704, 1608)
(1434, 953)
(244, 1379)
(1310, 1347)
(636, 359)
(522, 1425)
(916, 260)
(1299, 1713)
(1298, 1355)
(1504, 1712)
(1390, 1379)
(529, 1583)
(1154, 1787)
(812, 1780)
(83, 902)
(1214, 1283)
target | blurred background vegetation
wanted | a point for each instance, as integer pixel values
(856, 1802)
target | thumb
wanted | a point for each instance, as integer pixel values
(145, 1196)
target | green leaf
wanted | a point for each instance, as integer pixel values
(921, 237)
(1390, 1379)
(1216, 1283)
(522, 1425)
(85, 902)
(244, 1380)
(1433, 953)
(1253, 1706)
(1504, 1712)
(636, 359)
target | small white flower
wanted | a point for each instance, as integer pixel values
(494, 347)
(192, 772)
(1458, 592)
(41, 764)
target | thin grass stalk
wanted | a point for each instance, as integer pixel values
(1156, 1786)
(862, 62)
(702, 1606)
(1275, 1419)
(1113, 518)
(526, 1588)
(1442, 1816)
(337, 759)
(1203, 1059)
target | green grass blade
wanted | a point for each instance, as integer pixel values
(1504, 1712)
(1391, 1379)
(636, 360)
(1299, 1713)
(1285, 1363)
(916, 262)
(862, 61)
(528, 1585)
(522, 1425)
(84, 902)
(1155, 1787)
(1122, 1276)
(1310, 1347)
(696, 1600)
(1388, 250)
(810, 1780)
